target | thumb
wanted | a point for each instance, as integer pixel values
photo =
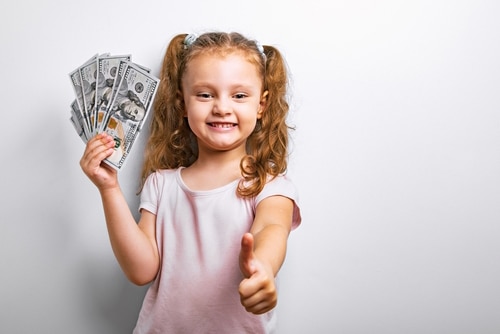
(247, 256)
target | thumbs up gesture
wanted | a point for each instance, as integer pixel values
(257, 290)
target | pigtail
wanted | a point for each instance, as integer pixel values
(169, 141)
(268, 145)
(274, 119)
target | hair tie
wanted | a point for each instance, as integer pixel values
(189, 40)
(261, 50)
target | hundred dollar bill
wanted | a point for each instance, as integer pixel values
(77, 121)
(107, 73)
(121, 69)
(130, 106)
(88, 74)
(76, 80)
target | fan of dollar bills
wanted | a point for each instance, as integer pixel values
(113, 95)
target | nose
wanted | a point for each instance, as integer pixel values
(222, 106)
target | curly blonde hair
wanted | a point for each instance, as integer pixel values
(172, 144)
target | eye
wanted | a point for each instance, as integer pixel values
(239, 96)
(204, 95)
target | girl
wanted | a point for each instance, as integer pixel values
(213, 195)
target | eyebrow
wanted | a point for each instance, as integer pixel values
(237, 86)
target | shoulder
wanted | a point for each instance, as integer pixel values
(162, 174)
(160, 178)
(282, 185)
(156, 184)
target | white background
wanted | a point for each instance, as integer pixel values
(396, 156)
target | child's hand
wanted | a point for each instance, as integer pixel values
(99, 148)
(257, 291)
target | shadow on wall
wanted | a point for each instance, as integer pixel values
(105, 294)
(109, 298)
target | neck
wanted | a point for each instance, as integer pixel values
(213, 169)
(219, 159)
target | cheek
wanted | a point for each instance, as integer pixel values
(193, 120)
(196, 110)
(188, 107)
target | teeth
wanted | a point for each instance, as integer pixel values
(222, 125)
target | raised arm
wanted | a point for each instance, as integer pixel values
(134, 245)
(263, 251)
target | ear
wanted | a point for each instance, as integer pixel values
(262, 104)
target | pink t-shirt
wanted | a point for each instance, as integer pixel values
(199, 239)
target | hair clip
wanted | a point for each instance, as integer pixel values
(189, 40)
(259, 47)
(261, 50)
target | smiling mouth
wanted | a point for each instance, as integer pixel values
(222, 125)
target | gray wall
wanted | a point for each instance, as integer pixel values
(396, 156)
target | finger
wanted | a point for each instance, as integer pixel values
(247, 257)
(100, 140)
(261, 307)
(258, 284)
(98, 144)
(260, 301)
(98, 149)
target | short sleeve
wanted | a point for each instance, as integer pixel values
(150, 194)
(283, 186)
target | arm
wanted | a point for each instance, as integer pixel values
(263, 251)
(134, 245)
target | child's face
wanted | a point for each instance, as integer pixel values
(222, 96)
